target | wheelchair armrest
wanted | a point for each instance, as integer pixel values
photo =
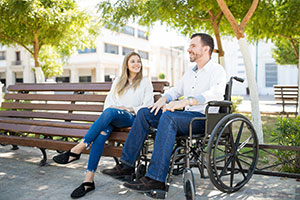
(220, 103)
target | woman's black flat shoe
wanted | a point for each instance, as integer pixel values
(81, 191)
(64, 157)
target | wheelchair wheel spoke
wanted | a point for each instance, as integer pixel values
(238, 138)
(224, 156)
(244, 143)
(226, 166)
(241, 168)
(232, 171)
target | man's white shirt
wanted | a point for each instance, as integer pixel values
(206, 84)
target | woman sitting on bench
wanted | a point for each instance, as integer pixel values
(128, 94)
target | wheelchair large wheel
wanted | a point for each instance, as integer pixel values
(232, 153)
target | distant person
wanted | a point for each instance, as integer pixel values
(204, 82)
(128, 94)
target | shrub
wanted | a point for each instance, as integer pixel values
(161, 76)
(236, 101)
(288, 134)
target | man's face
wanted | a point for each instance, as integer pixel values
(196, 49)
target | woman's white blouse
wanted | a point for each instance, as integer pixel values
(139, 98)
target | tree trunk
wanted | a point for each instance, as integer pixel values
(39, 75)
(256, 118)
(215, 22)
(299, 80)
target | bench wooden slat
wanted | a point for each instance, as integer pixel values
(63, 107)
(285, 86)
(287, 103)
(43, 130)
(57, 97)
(50, 115)
(61, 124)
(61, 87)
(100, 87)
(108, 150)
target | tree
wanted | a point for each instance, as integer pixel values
(53, 24)
(240, 35)
(284, 53)
(188, 17)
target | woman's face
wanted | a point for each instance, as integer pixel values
(134, 64)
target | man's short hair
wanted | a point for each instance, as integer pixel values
(206, 40)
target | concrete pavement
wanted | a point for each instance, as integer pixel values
(21, 178)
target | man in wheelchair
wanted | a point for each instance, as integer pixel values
(204, 82)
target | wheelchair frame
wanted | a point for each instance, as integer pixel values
(228, 138)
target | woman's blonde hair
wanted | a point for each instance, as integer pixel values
(123, 84)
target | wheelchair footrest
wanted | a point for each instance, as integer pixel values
(157, 194)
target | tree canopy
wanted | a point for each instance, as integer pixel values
(54, 24)
(278, 20)
(284, 53)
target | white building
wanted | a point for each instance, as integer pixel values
(15, 65)
(267, 72)
(105, 61)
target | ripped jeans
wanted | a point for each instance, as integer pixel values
(101, 129)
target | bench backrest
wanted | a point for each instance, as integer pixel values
(287, 93)
(63, 101)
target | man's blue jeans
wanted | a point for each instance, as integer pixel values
(110, 118)
(168, 124)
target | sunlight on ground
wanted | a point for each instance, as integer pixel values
(6, 155)
(43, 187)
(2, 174)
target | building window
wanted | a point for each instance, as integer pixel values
(144, 54)
(87, 50)
(126, 50)
(62, 79)
(2, 55)
(128, 30)
(109, 48)
(85, 79)
(142, 34)
(271, 74)
(107, 78)
(19, 80)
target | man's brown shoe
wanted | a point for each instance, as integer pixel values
(120, 171)
(145, 184)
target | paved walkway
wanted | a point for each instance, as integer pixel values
(21, 178)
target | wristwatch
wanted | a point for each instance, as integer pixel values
(190, 101)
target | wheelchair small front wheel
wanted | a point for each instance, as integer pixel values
(189, 185)
(232, 153)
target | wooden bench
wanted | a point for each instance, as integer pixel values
(286, 95)
(57, 116)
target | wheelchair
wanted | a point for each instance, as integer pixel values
(228, 150)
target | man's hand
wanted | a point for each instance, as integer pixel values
(172, 106)
(160, 104)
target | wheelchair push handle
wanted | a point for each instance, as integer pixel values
(238, 79)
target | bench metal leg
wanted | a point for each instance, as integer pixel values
(14, 147)
(43, 162)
